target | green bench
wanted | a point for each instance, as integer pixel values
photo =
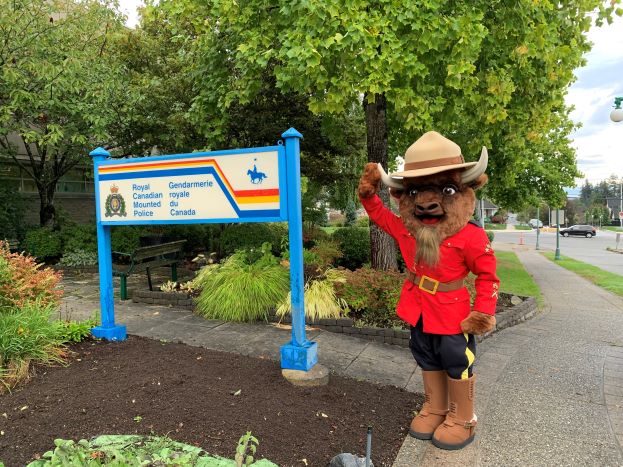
(146, 258)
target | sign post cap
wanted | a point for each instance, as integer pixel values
(99, 152)
(291, 133)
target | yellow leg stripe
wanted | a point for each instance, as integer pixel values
(470, 358)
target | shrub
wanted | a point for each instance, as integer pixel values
(350, 214)
(22, 280)
(78, 258)
(126, 238)
(11, 213)
(326, 252)
(363, 222)
(490, 235)
(79, 237)
(44, 243)
(246, 236)
(320, 297)
(312, 235)
(241, 289)
(369, 289)
(355, 246)
(27, 334)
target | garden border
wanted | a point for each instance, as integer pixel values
(517, 314)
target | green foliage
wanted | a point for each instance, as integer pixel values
(246, 236)
(243, 288)
(522, 227)
(27, 334)
(79, 237)
(247, 444)
(490, 235)
(355, 246)
(76, 331)
(126, 238)
(11, 214)
(56, 88)
(373, 296)
(78, 258)
(320, 297)
(326, 253)
(350, 213)
(133, 450)
(43, 243)
(363, 222)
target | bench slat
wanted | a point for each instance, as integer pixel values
(152, 251)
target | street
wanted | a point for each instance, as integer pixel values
(590, 250)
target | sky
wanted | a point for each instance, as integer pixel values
(599, 142)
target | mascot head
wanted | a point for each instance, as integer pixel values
(435, 191)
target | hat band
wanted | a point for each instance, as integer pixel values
(434, 163)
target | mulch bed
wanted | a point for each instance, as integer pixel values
(188, 393)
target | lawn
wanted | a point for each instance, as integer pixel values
(495, 226)
(522, 227)
(604, 279)
(613, 228)
(514, 279)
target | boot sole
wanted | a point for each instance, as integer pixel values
(452, 447)
(422, 436)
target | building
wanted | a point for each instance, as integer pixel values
(74, 196)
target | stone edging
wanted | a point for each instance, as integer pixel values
(153, 297)
(519, 313)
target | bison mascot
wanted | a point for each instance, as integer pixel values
(440, 246)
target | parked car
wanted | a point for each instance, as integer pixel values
(534, 222)
(587, 231)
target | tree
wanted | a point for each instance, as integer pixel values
(483, 72)
(55, 86)
(350, 214)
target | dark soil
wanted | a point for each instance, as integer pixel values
(188, 393)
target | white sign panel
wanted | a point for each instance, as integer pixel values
(227, 186)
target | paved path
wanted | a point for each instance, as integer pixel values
(550, 391)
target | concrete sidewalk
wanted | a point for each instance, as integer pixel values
(549, 391)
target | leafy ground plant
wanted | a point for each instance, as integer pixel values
(132, 450)
(243, 288)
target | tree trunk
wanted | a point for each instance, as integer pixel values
(382, 246)
(47, 211)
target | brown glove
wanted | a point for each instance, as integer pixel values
(369, 181)
(478, 323)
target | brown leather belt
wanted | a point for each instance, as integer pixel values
(432, 286)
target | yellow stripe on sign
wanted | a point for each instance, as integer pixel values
(258, 199)
(470, 358)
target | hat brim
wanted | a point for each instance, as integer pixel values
(431, 170)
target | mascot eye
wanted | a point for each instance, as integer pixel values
(413, 192)
(449, 190)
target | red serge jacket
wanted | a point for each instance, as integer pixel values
(468, 250)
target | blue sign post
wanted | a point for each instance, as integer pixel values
(239, 185)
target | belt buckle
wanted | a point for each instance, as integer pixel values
(432, 291)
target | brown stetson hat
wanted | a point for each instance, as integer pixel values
(430, 154)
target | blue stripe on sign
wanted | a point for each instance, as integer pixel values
(192, 171)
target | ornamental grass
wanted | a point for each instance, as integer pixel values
(243, 288)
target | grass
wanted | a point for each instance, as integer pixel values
(604, 279)
(495, 226)
(514, 279)
(522, 227)
(613, 228)
(330, 230)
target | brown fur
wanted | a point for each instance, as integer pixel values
(478, 323)
(370, 180)
(427, 241)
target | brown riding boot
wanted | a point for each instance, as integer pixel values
(435, 407)
(457, 431)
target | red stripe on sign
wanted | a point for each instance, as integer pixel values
(267, 192)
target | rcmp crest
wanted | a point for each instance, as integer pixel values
(115, 204)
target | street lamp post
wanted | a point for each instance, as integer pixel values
(617, 116)
(538, 219)
(557, 255)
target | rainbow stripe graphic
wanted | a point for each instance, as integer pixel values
(242, 201)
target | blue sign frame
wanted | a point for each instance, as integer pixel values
(298, 353)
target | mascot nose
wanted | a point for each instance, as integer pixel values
(426, 207)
